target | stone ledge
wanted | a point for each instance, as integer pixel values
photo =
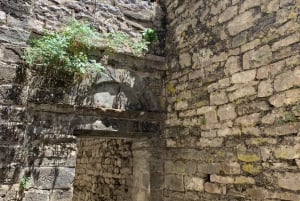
(96, 111)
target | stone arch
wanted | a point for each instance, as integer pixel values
(121, 89)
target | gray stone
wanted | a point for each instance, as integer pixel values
(194, 183)
(285, 98)
(174, 182)
(290, 181)
(287, 80)
(229, 13)
(285, 129)
(265, 88)
(243, 77)
(286, 41)
(249, 4)
(232, 65)
(226, 112)
(8, 73)
(288, 152)
(36, 195)
(185, 59)
(218, 98)
(242, 22)
(221, 179)
(214, 188)
(256, 58)
(2, 17)
(53, 178)
(61, 195)
(242, 92)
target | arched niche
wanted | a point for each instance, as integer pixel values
(122, 89)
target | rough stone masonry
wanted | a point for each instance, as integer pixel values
(231, 128)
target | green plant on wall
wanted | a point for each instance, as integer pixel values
(65, 50)
(150, 35)
(24, 183)
(123, 42)
(68, 48)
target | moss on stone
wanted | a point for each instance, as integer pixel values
(248, 157)
(251, 169)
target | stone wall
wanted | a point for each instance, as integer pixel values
(38, 115)
(232, 128)
(104, 170)
(116, 169)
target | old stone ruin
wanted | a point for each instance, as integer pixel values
(211, 112)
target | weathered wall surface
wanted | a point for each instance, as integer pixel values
(37, 117)
(232, 127)
(104, 170)
(118, 169)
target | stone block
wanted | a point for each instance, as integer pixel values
(242, 22)
(248, 157)
(228, 14)
(36, 195)
(249, 4)
(288, 152)
(256, 58)
(214, 188)
(285, 98)
(231, 168)
(221, 179)
(252, 169)
(207, 142)
(174, 182)
(244, 180)
(261, 141)
(226, 112)
(181, 105)
(2, 17)
(243, 77)
(287, 80)
(194, 183)
(233, 65)
(289, 181)
(285, 129)
(248, 120)
(223, 132)
(251, 130)
(209, 168)
(61, 195)
(265, 88)
(8, 73)
(271, 70)
(53, 178)
(242, 92)
(218, 98)
(185, 59)
(211, 117)
(256, 106)
(294, 38)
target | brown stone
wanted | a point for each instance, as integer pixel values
(243, 77)
(218, 98)
(226, 112)
(174, 182)
(256, 58)
(242, 22)
(194, 183)
(290, 181)
(214, 188)
(287, 80)
(265, 88)
(285, 98)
